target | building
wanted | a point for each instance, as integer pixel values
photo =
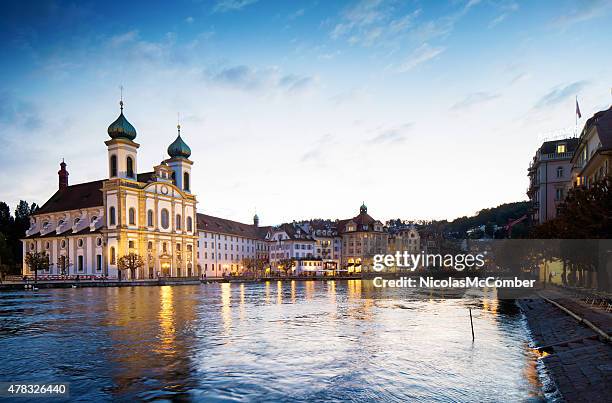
(328, 245)
(593, 157)
(229, 247)
(550, 177)
(86, 228)
(292, 242)
(362, 238)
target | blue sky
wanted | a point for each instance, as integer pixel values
(421, 109)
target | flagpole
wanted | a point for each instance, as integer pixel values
(576, 118)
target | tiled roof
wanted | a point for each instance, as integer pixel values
(83, 195)
(67, 233)
(361, 220)
(221, 225)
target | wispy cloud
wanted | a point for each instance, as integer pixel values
(315, 154)
(420, 55)
(17, 112)
(561, 93)
(443, 26)
(473, 99)
(506, 10)
(372, 21)
(223, 6)
(248, 78)
(122, 39)
(583, 10)
(519, 78)
(393, 135)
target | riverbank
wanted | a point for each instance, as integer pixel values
(576, 357)
(20, 285)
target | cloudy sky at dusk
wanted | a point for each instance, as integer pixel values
(303, 109)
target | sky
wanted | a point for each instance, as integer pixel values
(295, 110)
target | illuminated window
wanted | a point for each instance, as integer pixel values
(560, 148)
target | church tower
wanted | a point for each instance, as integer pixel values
(122, 150)
(179, 162)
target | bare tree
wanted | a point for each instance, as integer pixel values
(131, 262)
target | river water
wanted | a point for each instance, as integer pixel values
(305, 341)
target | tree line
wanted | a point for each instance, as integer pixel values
(12, 229)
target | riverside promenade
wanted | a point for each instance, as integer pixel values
(576, 356)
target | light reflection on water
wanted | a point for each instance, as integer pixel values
(293, 340)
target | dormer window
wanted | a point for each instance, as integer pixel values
(77, 221)
(561, 148)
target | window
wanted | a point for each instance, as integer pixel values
(63, 244)
(165, 219)
(98, 262)
(77, 221)
(560, 148)
(150, 245)
(99, 241)
(132, 216)
(559, 194)
(80, 243)
(189, 224)
(130, 167)
(559, 172)
(131, 244)
(178, 246)
(113, 165)
(178, 221)
(111, 216)
(165, 247)
(186, 181)
(80, 262)
(112, 255)
(150, 218)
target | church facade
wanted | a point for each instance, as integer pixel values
(86, 228)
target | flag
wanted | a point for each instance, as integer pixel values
(578, 109)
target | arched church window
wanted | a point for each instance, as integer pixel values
(111, 216)
(113, 165)
(130, 167)
(150, 218)
(186, 181)
(178, 221)
(112, 255)
(165, 219)
(189, 224)
(132, 216)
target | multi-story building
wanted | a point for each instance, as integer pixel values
(229, 247)
(362, 238)
(550, 177)
(593, 157)
(293, 242)
(86, 228)
(328, 243)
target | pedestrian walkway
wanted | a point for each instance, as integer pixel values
(578, 361)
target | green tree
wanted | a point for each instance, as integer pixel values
(37, 261)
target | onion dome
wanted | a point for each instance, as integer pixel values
(178, 148)
(121, 128)
(363, 208)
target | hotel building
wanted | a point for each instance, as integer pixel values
(550, 177)
(593, 157)
(362, 238)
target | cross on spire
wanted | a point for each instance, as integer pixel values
(121, 99)
(178, 122)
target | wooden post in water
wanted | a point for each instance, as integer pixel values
(471, 324)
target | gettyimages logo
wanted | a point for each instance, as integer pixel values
(412, 261)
